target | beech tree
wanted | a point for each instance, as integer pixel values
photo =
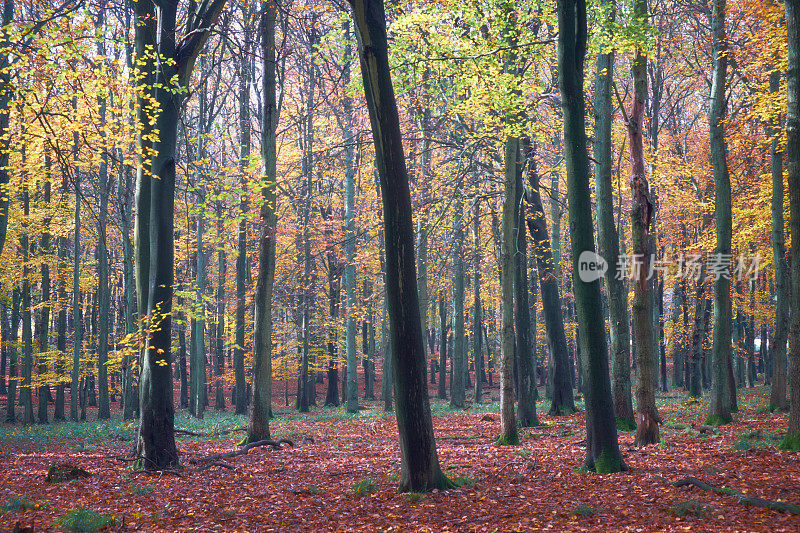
(602, 447)
(419, 461)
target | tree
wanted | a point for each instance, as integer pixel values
(642, 210)
(419, 461)
(720, 410)
(602, 447)
(792, 439)
(607, 236)
(777, 398)
(261, 408)
(155, 199)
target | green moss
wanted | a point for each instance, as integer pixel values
(625, 424)
(790, 442)
(689, 508)
(607, 463)
(511, 439)
(584, 510)
(20, 503)
(776, 408)
(83, 519)
(464, 481)
(716, 420)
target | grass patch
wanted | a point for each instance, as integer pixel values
(364, 487)
(83, 519)
(20, 503)
(689, 508)
(415, 496)
(140, 490)
(454, 467)
(583, 510)
(464, 481)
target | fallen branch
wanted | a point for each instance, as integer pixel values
(741, 498)
(276, 444)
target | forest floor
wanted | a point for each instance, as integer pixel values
(345, 476)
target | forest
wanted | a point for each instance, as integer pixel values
(339, 265)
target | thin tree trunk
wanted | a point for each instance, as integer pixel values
(778, 400)
(457, 385)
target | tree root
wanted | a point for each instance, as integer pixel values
(276, 444)
(690, 481)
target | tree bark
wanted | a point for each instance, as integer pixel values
(792, 440)
(778, 400)
(602, 447)
(722, 385)
(642, 210)
(261, 404)
(607, 235)
(419, 462)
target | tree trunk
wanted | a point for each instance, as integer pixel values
(608, 237)
(443, 347)
(44, 315)
(11, 398)
(602, 447)
(778, 400)
(219, 360)
(241, 240)
(562, 402)
(792, 440)
(477, 349)
(720, 410)
(261, 409)
(526, 379)
(419, 462)
(156, 441)
(508, 421)
(457, 386)
(642, 209)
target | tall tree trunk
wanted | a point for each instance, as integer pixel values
(642, 210)
(442, 347)
(608, 237)
(241, 240)
(457, 386)
(219, 360)
(562, 402)
(778, 400)
(77, 317)
(792, 440)
(477, 349)
(11, 398)
(720, 410)
(261, 410)
(602, 447)
(508, 421)
(26, 392)
(419, 461)
(103, 287)
(44, 315)
(677, 338)
(526, 379)
(156, 440)
(350, 243)
(6, 96)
